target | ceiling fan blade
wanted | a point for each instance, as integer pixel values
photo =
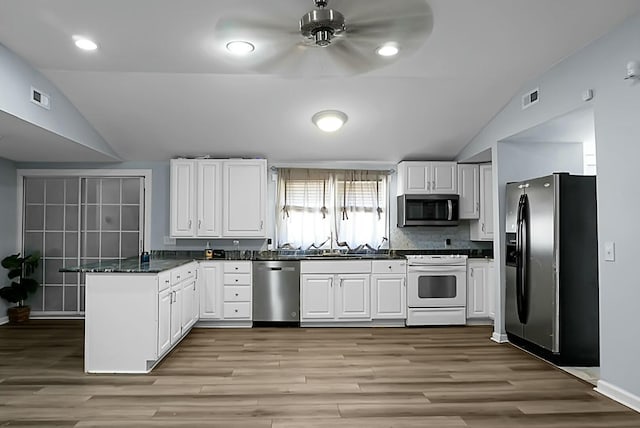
(286, 62)
(367, 10)
(248, 28)
(351, 57)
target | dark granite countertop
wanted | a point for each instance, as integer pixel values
(164, 260)
(130, 265)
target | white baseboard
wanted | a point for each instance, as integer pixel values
(618, 394)
(499, 338)
(4, 320)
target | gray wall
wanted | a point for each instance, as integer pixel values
(401, 238)
(8, 221)
(63, 118)
(601, 67)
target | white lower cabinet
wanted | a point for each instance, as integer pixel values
(492, 289)
(480, 289)
(353, 291)
(389, 297)
(353, 300)
(211, 290)
(335, 291)
(317, 297)
(164, 321)
(389, 289)
(226, 293)
(154, 317)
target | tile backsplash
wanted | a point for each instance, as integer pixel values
(434, 238)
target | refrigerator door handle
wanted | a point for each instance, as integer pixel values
(521, 251)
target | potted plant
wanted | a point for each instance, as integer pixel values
(19, 270)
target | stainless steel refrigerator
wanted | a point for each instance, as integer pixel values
(552, 268)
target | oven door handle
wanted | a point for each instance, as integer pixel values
(436, 269)
(449, 210)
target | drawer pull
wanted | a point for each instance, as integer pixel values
(236, 268)
(236, 279)
(236, 311)
(236, 294)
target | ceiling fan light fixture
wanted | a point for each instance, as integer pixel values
(329, 120)
(387, 50)
(240, 47)
(84, 43)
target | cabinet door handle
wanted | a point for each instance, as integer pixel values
(471, 272)
(428, 186)
(189, 224)
(261, 224)
(199, 224)
(483, 227)
(341, 280)
(166, 281)
(477, 206)
(433, 185)
(331, 282)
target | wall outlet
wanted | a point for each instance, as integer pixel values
(610, 251)
(169, 240)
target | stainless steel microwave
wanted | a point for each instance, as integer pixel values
(428, 210)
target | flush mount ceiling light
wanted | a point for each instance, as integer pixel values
(389, 49)
(84, 43)
(240, 47)
(329, 120)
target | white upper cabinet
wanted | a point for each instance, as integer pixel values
(469, 191)
(482, 230)
(208, 200)
(427, 177)
(212, 198)
(245, 190)
(183, 186)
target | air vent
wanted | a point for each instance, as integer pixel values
(530, 98)
(40, 98)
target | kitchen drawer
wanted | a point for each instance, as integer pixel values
(237, 267)
(237, 293)
(164, 280)
(237, 310)
(389, 266)
(182, 273)
(237, 279)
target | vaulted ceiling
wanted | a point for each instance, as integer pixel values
(161, 83)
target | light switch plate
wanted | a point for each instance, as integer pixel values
(609, 251)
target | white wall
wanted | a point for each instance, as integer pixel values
(601, 67)
(8, 221)
(63, 118)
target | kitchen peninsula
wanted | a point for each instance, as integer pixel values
(137, 312)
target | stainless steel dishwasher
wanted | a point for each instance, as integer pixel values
(276, 292)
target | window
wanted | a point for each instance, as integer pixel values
(71, 220)
(332, 209)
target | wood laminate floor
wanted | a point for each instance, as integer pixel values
(290, 378)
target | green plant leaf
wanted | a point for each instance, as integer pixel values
(12, 262)
(29, 284)
(10, 294)
(14, 273)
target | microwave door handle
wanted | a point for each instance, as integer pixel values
(449, 210)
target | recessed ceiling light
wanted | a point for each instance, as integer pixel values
(329, 120)
(240, 47)
(387, 50)
(85, 44)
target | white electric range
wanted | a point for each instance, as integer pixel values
(436, 289)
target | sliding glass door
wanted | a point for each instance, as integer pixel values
(75, 220)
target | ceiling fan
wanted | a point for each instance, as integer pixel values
(341, 38)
